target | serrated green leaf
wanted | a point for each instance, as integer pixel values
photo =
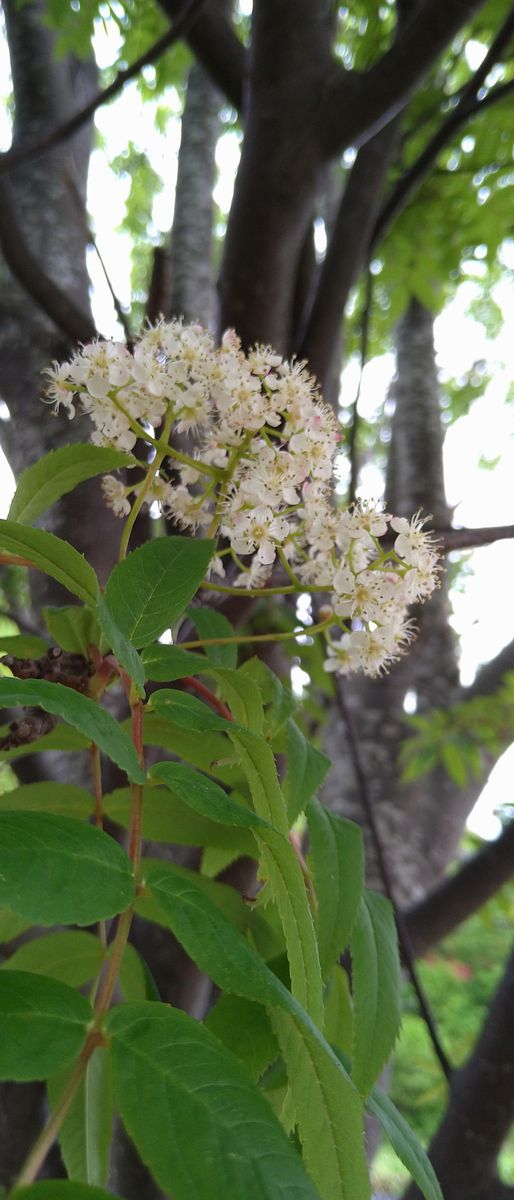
(208, 936)
(44, 1025)
(86, 1132)
(338, 1017)
(211, 624)
(11, 925)
(243, 698)
(187, 711)
(194, 1114)
(23, 645)
(167, 819)
(172, 876)
(306, 770)
(245, 1029)
(208, 752)
(258, 763)
(71, 956)
(61, 1189)
(216, 859)
(405, 1143)
(53, 556)
(54, 870)
(58, 473)
(93, 721)
(150, 589)
(167, 663)
(226, 956)
(72, 627)
(337, 861)
(376, 988)
(279, 699)
(329, 1123)
(62, 799)
(134, 975)
(127, 656)
(280, 867)
(205, 796)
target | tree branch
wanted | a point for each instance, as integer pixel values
(468, 539)
(489, 677)
(345, 254)
(185, 18)
(465, 1149)
(460, 895)
(82, 212)
(59, 306)
(218, 48)
(357, 106)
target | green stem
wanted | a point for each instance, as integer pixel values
(114, 963)
(97, 783)
(136, 428)
(289, 572)
(285, 590)
(195, 463)
(305, 631)
(46, 1139)
(160, 454)
(99, 816)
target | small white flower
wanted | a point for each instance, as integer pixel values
(115, 495)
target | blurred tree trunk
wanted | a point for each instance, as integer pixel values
(420, 823)
(48, 195)
(291, 98)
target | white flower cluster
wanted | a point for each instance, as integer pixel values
(260, 475)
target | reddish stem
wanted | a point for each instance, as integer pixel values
(136, 814)
(15, 561)
(206, 694)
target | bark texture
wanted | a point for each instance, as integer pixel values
(420, 823)
(49, 193)
(192, 290)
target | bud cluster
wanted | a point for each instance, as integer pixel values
(260, 475)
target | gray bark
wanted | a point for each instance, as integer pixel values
(420, 823)
(48, 192)
(192, 291)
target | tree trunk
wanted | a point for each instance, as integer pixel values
(481, 1109)
(420, 823)
(192, 291)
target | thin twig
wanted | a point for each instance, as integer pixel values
(182, 25)
(403, 936)
(82, 212)
(179, 28)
